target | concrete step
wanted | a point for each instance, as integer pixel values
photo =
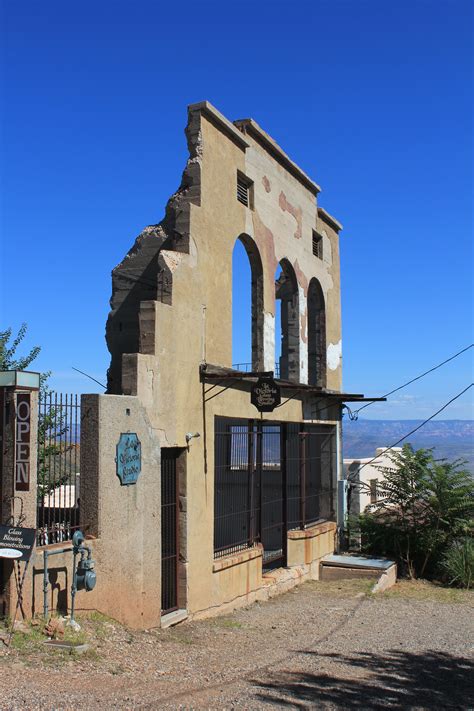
(173, 618)
(343, 567)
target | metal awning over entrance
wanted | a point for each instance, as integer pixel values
(228, 377)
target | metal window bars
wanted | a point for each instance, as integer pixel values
(270, 478)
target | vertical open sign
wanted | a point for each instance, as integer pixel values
(22, 442)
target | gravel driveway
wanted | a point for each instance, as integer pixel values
(322, 645)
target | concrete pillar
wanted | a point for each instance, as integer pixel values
(122, 523)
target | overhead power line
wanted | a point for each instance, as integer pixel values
(419, 426)
(353, 414)
(418, 377)
(89, 376)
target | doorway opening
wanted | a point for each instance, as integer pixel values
(173, 533)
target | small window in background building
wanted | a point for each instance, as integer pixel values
(244, 190)
(373, 491)
(317, 245)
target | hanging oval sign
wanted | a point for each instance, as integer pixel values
(265, 395)
(129, 458)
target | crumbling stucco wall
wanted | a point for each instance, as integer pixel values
(186, 260)
(171, 307)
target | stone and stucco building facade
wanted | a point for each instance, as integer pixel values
(170, 337)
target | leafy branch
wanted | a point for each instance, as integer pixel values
(423, 506)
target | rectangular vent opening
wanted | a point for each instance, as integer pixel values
(317, 245)
(244, 190)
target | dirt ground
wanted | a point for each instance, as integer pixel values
(321, 646)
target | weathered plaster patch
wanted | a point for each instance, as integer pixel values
(249, 228)
(198, 146)
(162, 437)
(296, 212)
(266, 184)
(304, 325)
(265, 243)
(148, 381)
(327, 249)
(334, 355)
(171, 259)
(303, 335)
(268, 341)
(151, 378)
(301, 278)
(193, 253)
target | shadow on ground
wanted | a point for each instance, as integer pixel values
(432, 680)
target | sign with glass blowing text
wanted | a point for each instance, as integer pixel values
(16, 543)
(129, 458)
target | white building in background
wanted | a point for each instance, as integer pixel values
(362, 479)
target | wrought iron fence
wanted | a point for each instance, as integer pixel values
(311, 473)
(58, 487)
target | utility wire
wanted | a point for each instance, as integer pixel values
(417, 428)
(89, 376)
(354, 414)
(418, 377)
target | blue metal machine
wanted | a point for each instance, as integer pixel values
(84, 576)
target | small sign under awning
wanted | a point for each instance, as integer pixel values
(265, 395)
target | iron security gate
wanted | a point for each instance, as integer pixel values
(270, 478)
(250, 492)
(169, 530)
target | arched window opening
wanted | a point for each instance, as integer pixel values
(288, 349)
(316, 335)
(247, 305)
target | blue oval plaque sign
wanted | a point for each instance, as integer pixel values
(129, 458)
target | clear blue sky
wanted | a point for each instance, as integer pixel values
(373, 99)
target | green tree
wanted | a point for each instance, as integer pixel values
(458, 562)
(423, 506)
(8, 352)
(10, 361)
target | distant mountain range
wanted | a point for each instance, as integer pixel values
(451, 439)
